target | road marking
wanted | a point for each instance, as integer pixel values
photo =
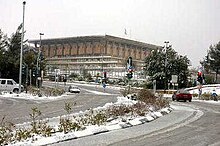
(196, 115)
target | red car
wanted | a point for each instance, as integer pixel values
(182, 95)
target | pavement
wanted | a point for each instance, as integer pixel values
(181, 115)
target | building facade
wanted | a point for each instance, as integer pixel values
(94, 54)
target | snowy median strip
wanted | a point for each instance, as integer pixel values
(112, 123)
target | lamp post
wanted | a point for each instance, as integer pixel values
(21, 53)
(38, 57)
(165, 64)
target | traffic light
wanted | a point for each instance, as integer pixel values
(23, 69)
(130, 73)
(199, 78)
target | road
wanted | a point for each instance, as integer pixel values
(18, 110)
(202, 132)
(190, 124)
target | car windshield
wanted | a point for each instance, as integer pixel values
(74, 87)
(183, 91)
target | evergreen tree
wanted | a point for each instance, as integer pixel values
(160, 66)
(214, 58)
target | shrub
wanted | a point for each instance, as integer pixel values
(161, 103)
(127, 90)
(22, 134)
(6, 135)
(146, 96)
(118, 110)
(66, 125)
(47, 91)
(33, 115)
(139, 108)
(98, 118)
(205, 96)
(44, 129)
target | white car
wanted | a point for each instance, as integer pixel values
(9, 85)
(74, 89)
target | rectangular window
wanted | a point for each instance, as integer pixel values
(10, 82)
(3, 82)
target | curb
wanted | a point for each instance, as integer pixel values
(121, 125)
(94, 130)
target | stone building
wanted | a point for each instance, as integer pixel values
(94, 54)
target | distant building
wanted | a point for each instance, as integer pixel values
(94, 54)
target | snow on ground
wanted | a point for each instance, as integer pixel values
(29, 96)
(210, 101)
(35, 97)
(93, 129)
(90, 130)
(206, 89)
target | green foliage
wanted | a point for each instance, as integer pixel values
(34, 115)
(140, 109)
(45, 129)
(46, 91)
(93, 118)
(118, 110)
(214, 58)
(66, 125)
(148, 98)
(22, 134)
(207, 96)
(75, 123)
(68, 107)
(10, 55)
(10, 64)
(6, 135)
(158, 70)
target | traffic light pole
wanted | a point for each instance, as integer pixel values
(38, 57)
(21, 53)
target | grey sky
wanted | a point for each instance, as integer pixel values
(191, 26)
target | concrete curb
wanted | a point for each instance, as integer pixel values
(121, 125)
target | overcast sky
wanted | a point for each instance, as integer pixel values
(190, 26)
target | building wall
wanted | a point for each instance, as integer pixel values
(94, 48)
(95, 52)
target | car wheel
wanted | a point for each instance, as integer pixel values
(16, 90)
(173, 99)
(190, 100)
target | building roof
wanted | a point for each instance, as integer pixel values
(97, 38)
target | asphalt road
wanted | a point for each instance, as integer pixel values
(202, 132)
(190, 124)
(18, 110)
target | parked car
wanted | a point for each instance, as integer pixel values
(9, 85)
(74, 89)
(182, 94)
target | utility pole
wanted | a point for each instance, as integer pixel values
(165, 64)
(21, 53)
(38, 57)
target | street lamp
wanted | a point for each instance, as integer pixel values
(38, 57)
(21, 53)
(165, 64)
